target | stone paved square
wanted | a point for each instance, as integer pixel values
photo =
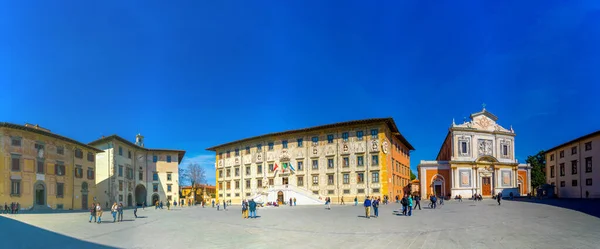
(468, 224)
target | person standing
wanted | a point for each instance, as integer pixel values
(93, 213)
(218, 205)
(224, 205)
(113, 211)
(291, 202)
(168, 205)
(375, 204)
(120, 212)
(5, 208)
(294, 201)
(343, 201)
(252, 208)
(328, 203)
(404, 203)
(213, 203)
(367, 205)
(135, 211)
(499, 197)
(410, 205)
(244, 208)
(356, 201)
(99, 212)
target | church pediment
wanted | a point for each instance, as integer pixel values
(483, 121)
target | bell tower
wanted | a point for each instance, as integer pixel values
(139, 140)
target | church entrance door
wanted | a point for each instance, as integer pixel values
(486, 186)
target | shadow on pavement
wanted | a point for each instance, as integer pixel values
(587, 206)
(16, 234)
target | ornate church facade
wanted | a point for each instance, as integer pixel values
(477, 157)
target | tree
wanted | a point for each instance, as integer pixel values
(412, 176)
(538, 164)
(195, 174)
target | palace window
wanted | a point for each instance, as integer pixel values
(78, 153)
(330, 163)
(551, 171)
(220, 173)
(168, 159)
(588, 182)
(300, 165)
(561, 154)
(330, 192)
(374, 160)
(78, 171)
(505, 150)
(155, 176)
(129, 154)
(562, 183)
(237, 152)
(271, 145)
(154, 159)
(360, 177)
(60, 150)
(588, 146)
(346, 162)
(574, 183)
(155, 187)
(552, 157)
(228, 172)
(259, 169)
(330, 179)
(463, 148)
(574, 167)
(360, 161)
(247, 183)
(361, 191)
(374, 133)
(247, 150)
(346, 191)
(315, 164)
(259, 147)
(271, 168)
(588, 164)
(573, 150)
(40, 166)
(247, 170)
(169, 186)
(141, 175)
(120, 170)
(228, 185)
(169, 176)
(16, 141)
(284, 143)
(345, 136)
(346, 178)
(60, 169)
(330, 138)
(120, 151)
(359, 135)
(562, 169)
(375, 177)
(259, 183)
(300, 142)
(90, 174)
(315, 140)
(15, 162)
(60, 190)
(237, 171)
(300, 181)
(90, 157)
(315, 180)
(271, 182)
(120, 185)
(129, 173)
(15, 187)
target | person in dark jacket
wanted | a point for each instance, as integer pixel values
(252, 208)
(404, 202)
(499, 197)
(367, 205)
(417, 202)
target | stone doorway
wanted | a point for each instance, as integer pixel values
(280, 197)
(486, 186)
(129, 200)
(155, 198)
(140, 195)
(40, 194)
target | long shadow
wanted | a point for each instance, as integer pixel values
(16, 234)
(587, 206)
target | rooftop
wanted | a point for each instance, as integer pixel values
(104, 139)
(389, 121)
(596, 133)
(43, 131)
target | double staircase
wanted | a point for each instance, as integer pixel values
(303, 196)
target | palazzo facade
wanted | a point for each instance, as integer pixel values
(340, 161)
(476, 157)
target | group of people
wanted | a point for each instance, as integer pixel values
(371, 202)
(248, 207)
(12, 209)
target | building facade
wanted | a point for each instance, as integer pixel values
(476, 157)
(131, 174)
(43, 170)
(202, 192)
(570, 167)
(343, 160)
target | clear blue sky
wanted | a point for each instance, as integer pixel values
(194, 74)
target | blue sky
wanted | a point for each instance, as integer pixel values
(193, 74)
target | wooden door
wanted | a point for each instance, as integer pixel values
(84, 202)
(486, 186)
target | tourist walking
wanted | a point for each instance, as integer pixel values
(356, 201)
(244, 209)
(367, 205)
(135, 211)
(410, 205)
(328, 203)
(291, 202)
(224, 205)
(168, 205)
(120, 212)
(375, 205)
(252, 208)
(218, 205)
(5, 208)
(113, 211)
(343, 201)
(499, 197)
(433, 200)
(213, 203)
(417, 202)
(99, 213)
(93, 213)
(294, 201)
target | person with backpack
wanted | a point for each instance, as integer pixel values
(367, 205)
(93, 213)
(375, 205)
(433, 200)
(404, 202)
